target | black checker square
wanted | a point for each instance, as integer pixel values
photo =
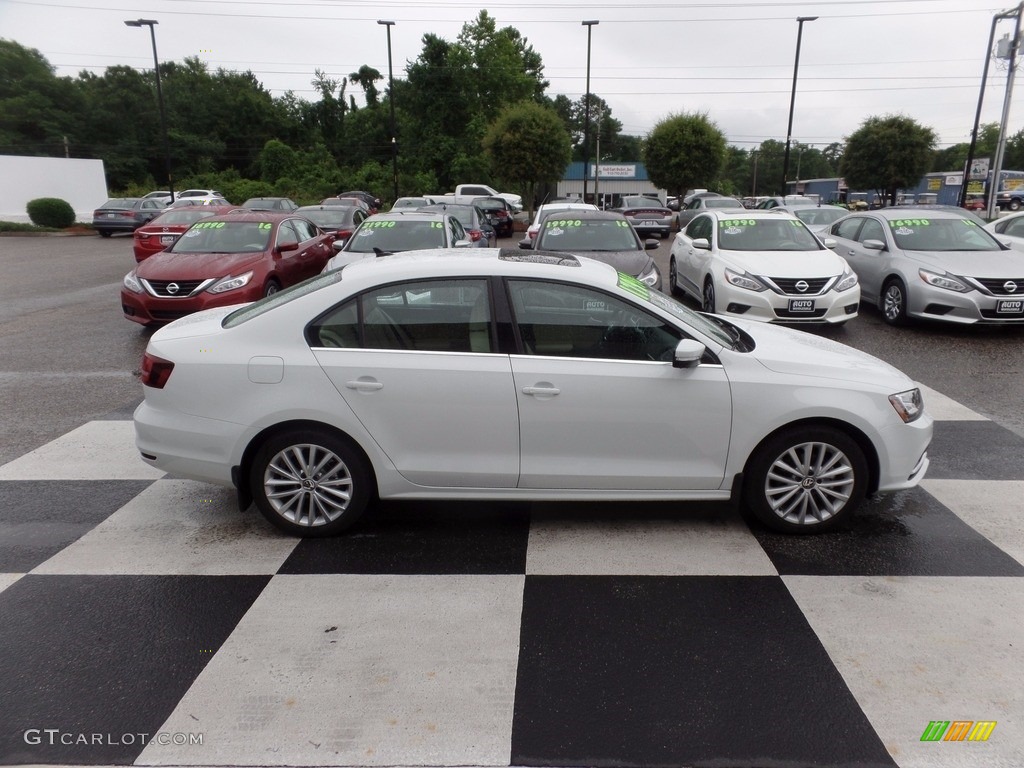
(39, 518)
(423, 538)
(905, 534)
(975, 450)
(679, 671)
(106, 655)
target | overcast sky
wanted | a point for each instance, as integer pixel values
(649, 58)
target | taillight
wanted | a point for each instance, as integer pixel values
(343, 234)
(475, 234)
(155, 371)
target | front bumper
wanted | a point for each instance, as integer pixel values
(151, 310)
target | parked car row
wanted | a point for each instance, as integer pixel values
(776, 266)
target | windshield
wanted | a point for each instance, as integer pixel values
(225, 237)
(819, 216)
(393, 236)
(941, 235)
(765, 234)
(570, 234)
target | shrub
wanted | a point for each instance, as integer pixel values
(50, 212)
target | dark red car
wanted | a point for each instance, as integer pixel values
(229, 259)
(162, 231)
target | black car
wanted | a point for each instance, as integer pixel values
(500, 213)
(371, 200)
(281, 204)
(601, 235)
(125, 214)
(339, 219)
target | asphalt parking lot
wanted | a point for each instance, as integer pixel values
(488, 634)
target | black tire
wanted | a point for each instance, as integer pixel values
(783, 485)
(673, 278)
(1015, 204)
(271, 287)
(893, 302)
(708, 296)
(105, 233)
(323, 484)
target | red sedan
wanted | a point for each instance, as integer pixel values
(162, 231)
(233, 258)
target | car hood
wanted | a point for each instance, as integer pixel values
(797, 352)
(788, 263)
(168, 265)
(630, 262)
(987, 264)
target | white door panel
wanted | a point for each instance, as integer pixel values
(611, 424)
(444, 419)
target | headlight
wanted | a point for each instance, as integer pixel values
(230, 283)
(131, 282)
(909, 405)
(651, 275)
(846, 282)
(946, 281)
(743, 281)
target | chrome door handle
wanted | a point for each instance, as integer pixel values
(541, 390)
(362, 385)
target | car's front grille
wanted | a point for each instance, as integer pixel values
(815, 285)
(787, 314)
(1000, 286)
(181, 288)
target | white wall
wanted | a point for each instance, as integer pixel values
(82, 183)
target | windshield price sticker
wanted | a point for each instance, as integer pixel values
(737, 223)
(634, 286)
(379, 224)
(551, 224)
(436, 225)
(909, 223)
(208, 225)
(265, 225)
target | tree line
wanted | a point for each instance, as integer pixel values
(472, 109)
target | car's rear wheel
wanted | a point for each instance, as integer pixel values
(105, 233)
(1015, 205)
(310, 483)
(894, 302)
(806, 480)
(708, 303)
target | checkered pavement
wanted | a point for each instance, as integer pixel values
(140, 611)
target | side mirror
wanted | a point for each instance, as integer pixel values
(650, 244)
(463, 243)
(829, 242)
(526, 244)
(337, 245)
(285, 247)
(702, 244)
(874, 245)
(688, 354)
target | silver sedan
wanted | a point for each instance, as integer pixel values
(931, 264)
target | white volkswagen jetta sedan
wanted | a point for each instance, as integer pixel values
(762, 265)
(502, 374)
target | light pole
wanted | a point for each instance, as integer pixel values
(586, 119)
(391, 88)
(792, 99)
(151, 23)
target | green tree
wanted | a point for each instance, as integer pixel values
(887, 154)
(528, 145)
(684, 151)
(36, 107)
(366, 78)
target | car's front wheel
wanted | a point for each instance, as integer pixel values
(708, 299)
(894, 302)
(806, 480)
(310, 482)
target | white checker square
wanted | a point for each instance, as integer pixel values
(177, 527)
(919, 649)
(359, 670)
(97, 450)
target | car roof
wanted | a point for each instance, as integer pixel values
(327, 208)
(480, 262)
(746, 213)
(916, 212)
(588, 215)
